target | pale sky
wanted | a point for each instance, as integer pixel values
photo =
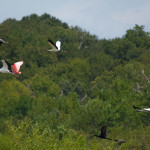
(104, 18)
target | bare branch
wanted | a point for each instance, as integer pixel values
(145, 77)
(83, 98)
(61, 94)
(81, 42)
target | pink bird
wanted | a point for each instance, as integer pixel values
(12, 69)
(16, 67)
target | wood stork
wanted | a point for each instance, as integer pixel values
(12, 69)
(141, 109)
(103, 135)
(2, 41)
(55, 47)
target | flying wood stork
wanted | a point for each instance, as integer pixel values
(55, 47)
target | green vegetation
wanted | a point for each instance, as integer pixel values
(62, 99)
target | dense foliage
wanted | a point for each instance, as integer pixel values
(62, 99)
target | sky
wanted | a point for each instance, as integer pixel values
(104, 18)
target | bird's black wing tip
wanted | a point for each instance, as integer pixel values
(50, 41)
(136, 107)
(9, 66)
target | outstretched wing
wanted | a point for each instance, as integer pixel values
(16, 66)
(136, 107)
(9, 66)
(146, 109)
(52, 44)
(6, 65)
(103, 131)
(1, 41)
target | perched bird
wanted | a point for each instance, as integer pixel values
(12, 69)
(141, 109)
(103, 135)
(2, 41)
(55, 48)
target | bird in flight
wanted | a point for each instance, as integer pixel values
(141, 109)
(55, 47)
(2, 41)
(103, 135)
(12, 69)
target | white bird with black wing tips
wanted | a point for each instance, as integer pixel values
(55, 47)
